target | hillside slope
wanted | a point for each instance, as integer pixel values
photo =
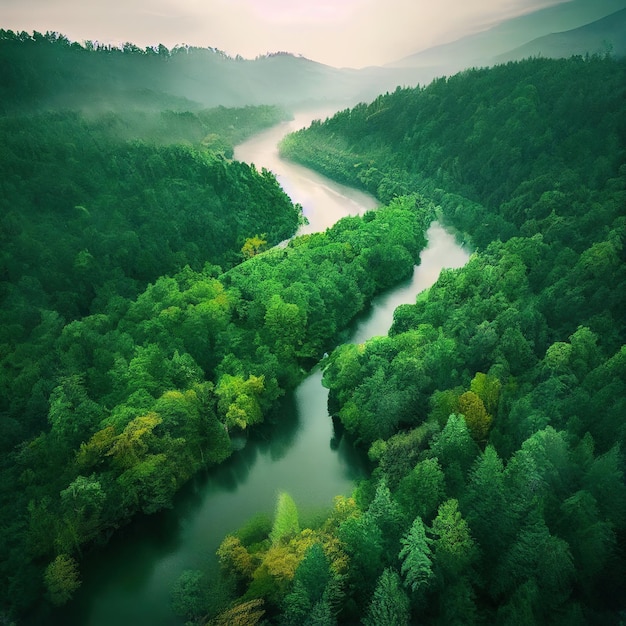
(482, 48)
(605, 36)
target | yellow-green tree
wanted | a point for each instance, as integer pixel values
(131, 445)
(252, 246)
(239, 399)
(62, 579)
(476, 417)
(286, 522)
(235, 558)
(487, 388)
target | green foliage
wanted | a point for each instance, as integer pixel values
(311, 594)
(422, 490)
(190, 595)
(453, 547)
(127, 354)
(238, 402)
(416, 556)
(493, 411)
(285, 519)
(389, 604)
(144, 395)
(475, 414)
(62, 579)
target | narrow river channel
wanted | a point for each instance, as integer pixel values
(128, 583)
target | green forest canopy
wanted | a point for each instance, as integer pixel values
(494, 410)
(134, 338)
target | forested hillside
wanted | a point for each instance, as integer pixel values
(494, 411)
(131, 401)
(51, 71)
(146, 317)
(145, 314)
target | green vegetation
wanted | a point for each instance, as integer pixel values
(88, 221)
(146, 314)
(494, 410)
(128, 403)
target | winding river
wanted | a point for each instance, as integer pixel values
(128, 583)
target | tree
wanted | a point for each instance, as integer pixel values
(456, 604)
(487, 510)
(286, 326)
(286, 523)
(476, 417)
(422, 490)
(314, 572)
(132, 444)
(536, 554)
(62, 579)
(487, 388)
(308, 600)
(247, 613)
(253, 245)
(363, 542)
(234, 558)
(190, 595)
(72, 413)
(454, 549)
(455, 450)
(82, 503)
(390, 604)
(387, 515)
(443, 404)
(416, 557)
(239, 399)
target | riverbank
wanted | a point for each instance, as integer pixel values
(300, 457)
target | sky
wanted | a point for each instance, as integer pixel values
(341, 33)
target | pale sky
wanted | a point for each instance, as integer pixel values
(342, 33)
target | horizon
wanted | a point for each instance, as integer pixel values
(338, 33)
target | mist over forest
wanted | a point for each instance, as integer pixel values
(150, 320)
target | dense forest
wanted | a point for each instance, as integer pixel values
(148, 315)
(493, 412)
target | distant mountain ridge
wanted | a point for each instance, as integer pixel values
(50, 72)
(492, 45)
(607, 35)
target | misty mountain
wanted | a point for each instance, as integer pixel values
(280, 78)
(50, 72)
(483, 48)
(600, 37)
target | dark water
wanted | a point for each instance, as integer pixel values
(129, 582)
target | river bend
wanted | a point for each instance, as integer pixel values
(129, 582)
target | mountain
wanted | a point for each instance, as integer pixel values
(599, 37)
(50, 72)
(483, 47)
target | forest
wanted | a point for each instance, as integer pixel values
(148, 315)
(493, 412)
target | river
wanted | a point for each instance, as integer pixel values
(128, 583)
